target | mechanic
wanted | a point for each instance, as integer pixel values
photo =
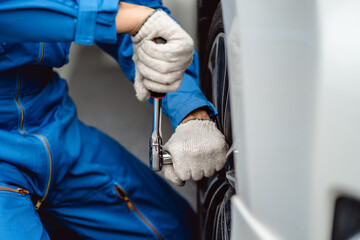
(59, 175)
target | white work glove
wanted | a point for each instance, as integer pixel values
(197, 149)
(160, 67)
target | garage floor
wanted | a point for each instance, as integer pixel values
(105, 99)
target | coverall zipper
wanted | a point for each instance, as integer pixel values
(42, 138)
(38, 203)
(18, 190)
(123, 195)
(42, 53)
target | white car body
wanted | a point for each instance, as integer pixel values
(294, 71)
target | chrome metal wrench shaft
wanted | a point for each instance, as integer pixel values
(157, 156)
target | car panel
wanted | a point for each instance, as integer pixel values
(277, 56)
(294, 70)
(247, 226)
(337, 130)
(294, 73)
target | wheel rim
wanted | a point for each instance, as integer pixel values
(217, 67)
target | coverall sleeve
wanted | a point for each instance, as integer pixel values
(176, 105)
(82, 21)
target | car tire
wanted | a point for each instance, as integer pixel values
(214, 193)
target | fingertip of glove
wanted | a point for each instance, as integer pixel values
(180, 183)
(196, 176)
(170, 174)
(142, 99)
(220, 164)
(209, 172)
(176, 181)
(142, 95)
(184, 175)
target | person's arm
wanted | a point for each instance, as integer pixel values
(176, 105)
(181, 105)
(60, 21)
(197, 147)
(196, 114)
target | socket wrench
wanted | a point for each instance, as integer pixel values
(157, 156)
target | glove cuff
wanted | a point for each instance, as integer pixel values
(159, 9)
(152, 21)
(196, 123)
(199, 119)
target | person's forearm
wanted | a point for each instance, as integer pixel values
(130, 17)
(197, 114)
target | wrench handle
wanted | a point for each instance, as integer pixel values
(158, 95)
(158, 40)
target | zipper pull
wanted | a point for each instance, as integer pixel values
(129, 203)
(37, 205)
(22, 191)
(122, 194)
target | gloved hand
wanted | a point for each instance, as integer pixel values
(160, 67)
(197, 148)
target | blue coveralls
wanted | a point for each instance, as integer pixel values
(79, 178)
